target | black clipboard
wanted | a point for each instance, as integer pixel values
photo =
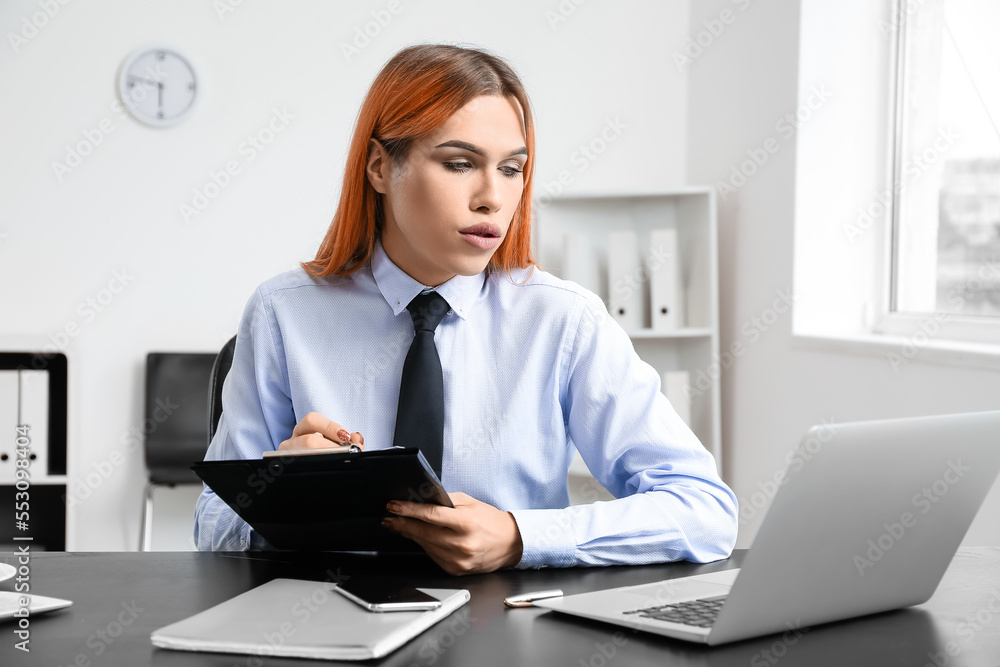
(325, 502)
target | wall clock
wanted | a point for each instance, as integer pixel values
(158, 86)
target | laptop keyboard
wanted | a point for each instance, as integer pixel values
(699, 613)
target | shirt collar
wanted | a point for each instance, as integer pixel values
(398, 288)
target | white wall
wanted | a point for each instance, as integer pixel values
(739, 90)
(61, 241)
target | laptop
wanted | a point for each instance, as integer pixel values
(866, 518)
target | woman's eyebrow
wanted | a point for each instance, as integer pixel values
(455, 143)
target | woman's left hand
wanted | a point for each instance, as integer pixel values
(469, 538)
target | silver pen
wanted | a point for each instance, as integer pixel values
(526, 599)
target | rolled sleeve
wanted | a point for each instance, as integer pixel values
(670, 502)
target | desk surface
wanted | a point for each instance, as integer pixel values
(120, 598)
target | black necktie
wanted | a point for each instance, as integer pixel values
(420, 416)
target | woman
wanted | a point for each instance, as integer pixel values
(437, 197)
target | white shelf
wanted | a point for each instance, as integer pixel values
(687, 332)
(49, 479)
(693, 347)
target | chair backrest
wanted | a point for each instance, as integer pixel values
(220, 369)
(177, 392)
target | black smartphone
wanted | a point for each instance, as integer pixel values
(379, 597)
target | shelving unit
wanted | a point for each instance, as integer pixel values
(33, 402)
(693, 347)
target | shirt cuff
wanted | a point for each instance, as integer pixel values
(546, 537)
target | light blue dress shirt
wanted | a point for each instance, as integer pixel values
(533, 367)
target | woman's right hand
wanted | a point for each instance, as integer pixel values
(315, 431)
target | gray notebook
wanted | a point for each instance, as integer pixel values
(303, 619)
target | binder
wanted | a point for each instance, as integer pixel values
(625, 290)
(24, 402)
(665, 290)
(10, 390)
(326, 502)
(35, 411)
(272, 620)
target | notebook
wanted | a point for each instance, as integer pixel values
(303, 619)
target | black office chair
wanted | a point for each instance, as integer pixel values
(176, 424)
(220, 369)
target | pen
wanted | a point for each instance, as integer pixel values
(340, 449)
(526, 599)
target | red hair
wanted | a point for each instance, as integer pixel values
(416, 92)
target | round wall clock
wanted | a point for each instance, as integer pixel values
(158, 86)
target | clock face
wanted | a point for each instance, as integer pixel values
(157, 86)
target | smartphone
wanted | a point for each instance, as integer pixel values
(377, 596)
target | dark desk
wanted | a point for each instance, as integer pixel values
(119, 598)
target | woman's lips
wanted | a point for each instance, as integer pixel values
(483, 235)
(482, 242)
(483, 229)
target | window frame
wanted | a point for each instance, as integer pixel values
(936, 325)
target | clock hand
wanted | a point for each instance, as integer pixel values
(159, 87)
(139, 78)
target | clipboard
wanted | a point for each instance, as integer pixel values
(325, 502)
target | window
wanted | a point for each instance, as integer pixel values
(946, 176)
